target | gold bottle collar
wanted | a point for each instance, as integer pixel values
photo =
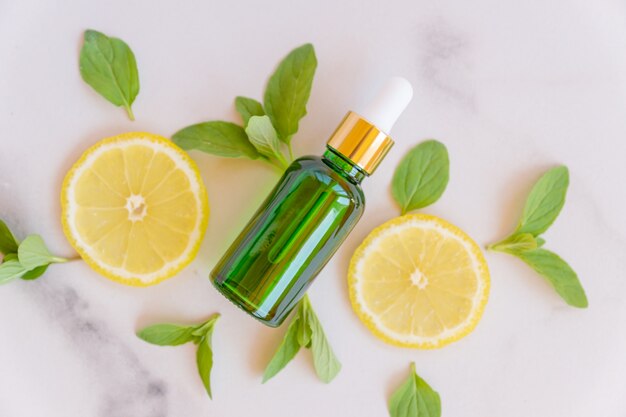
(360, 142)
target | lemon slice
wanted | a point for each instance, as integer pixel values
(418, 281)
(135, 208)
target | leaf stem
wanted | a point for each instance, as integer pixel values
(129, 111)
(59, 260)
(203, 328)
(290, 150)
(282, 161)
(275, 164)
(497, 247)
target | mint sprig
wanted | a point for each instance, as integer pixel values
(422, 176)
(415, 398)
(305, 331)
(267, 128)
(167, 334)
(108, 65)
(543, 205)
(27, 260)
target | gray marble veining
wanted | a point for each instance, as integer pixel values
(127, 387)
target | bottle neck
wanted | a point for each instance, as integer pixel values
(342, 165)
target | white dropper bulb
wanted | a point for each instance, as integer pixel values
(388, 104)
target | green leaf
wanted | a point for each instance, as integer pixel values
(287, 350)
(33, 253)
(544, 202)
(304, 332)
(204, 358)
(10, 270)
(518, 242)
(415, 398)
(326, 364)
(218, 138)
(173, 335)
(558, 273)
(167, 334)
(108, 65)
(422, 176)
(35, 273)
(288, 91)
(248, 107)
(8, 243)
(543, 205)
(263, 136)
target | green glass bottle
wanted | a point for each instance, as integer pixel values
(308, 214)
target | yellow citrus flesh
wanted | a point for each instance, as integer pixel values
(419, 281)
(135, 208)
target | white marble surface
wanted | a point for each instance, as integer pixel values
(511, 87)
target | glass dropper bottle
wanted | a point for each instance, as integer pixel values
(309, 213)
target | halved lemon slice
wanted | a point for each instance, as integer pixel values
(135, 208)
(418, 281)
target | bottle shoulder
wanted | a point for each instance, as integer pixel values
(314, 166)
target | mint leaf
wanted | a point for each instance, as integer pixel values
(35, 273)
(287, 350)
(204, 357)
(305, 330)
(415, 398)
(544, 202)
(263, 136)
(288, 91)
(218, 138)
(422, 176)
(558, 273)
(28, 260)
(174, 334)
(167, 334)
(8, 243)
(11, 269)
(33, 253)
(108, 65)
(518, 242)
(326, 364)
(248, 107)
(542, 207)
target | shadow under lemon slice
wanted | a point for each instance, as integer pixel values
(135, 208)
(419, 281)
